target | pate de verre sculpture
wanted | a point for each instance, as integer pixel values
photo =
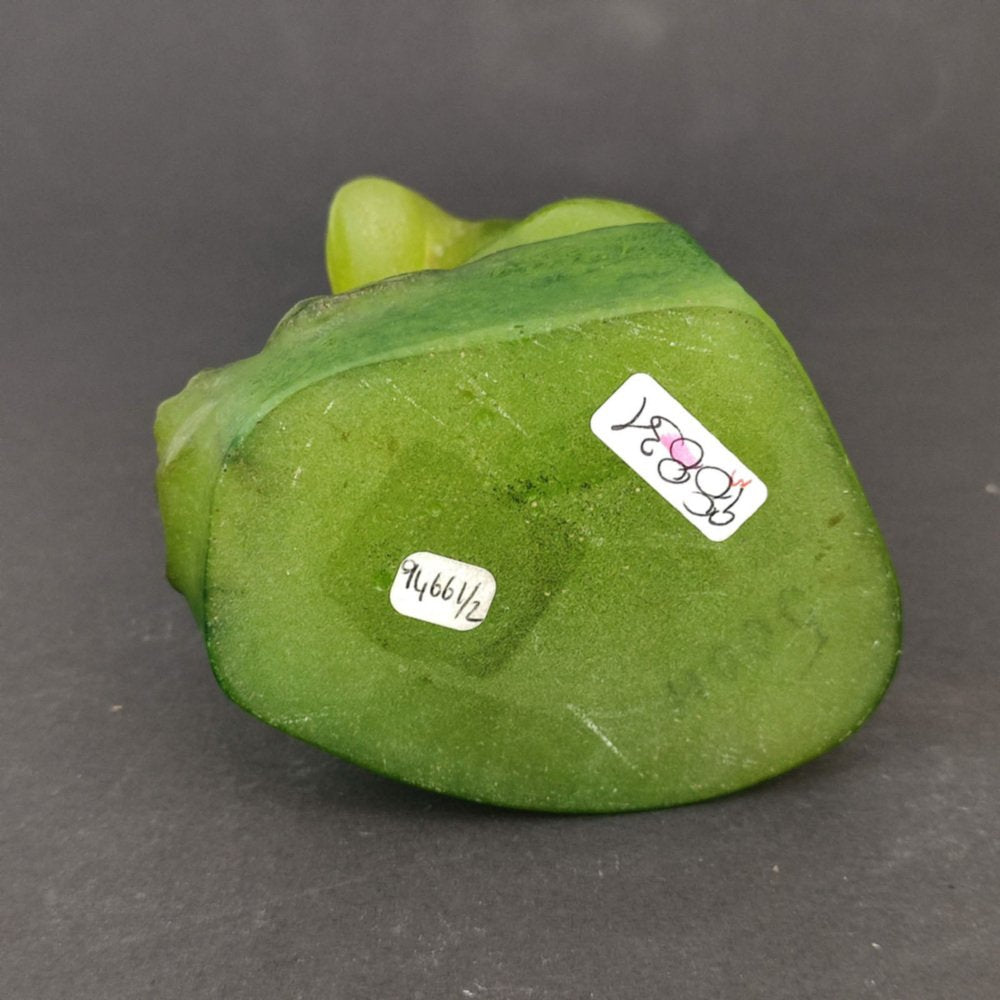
(542, 513)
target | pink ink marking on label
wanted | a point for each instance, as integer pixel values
(682, 453)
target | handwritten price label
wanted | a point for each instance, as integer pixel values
(687, 465)
(442, 591)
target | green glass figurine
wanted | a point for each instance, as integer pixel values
(542, 513)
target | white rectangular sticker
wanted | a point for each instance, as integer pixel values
(688, 466)
(442, 591)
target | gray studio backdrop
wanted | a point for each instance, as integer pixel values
(164, 176)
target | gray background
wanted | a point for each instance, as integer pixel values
(165, 176)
